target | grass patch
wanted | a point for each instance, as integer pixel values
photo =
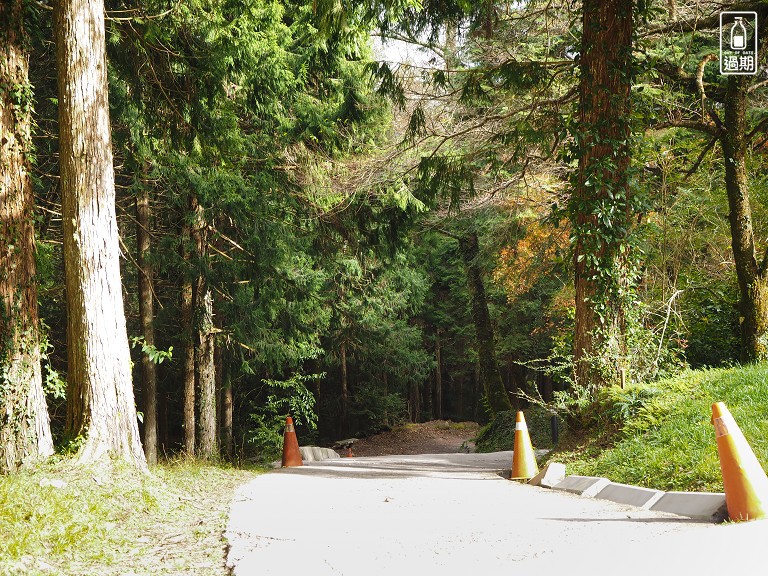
(62, 519)
(661, 436)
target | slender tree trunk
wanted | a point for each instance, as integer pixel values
(147, 316)
(753, 283)
(101, 406)
(602, 187)
(476, 392)
(188, 360)
(426, 399)
(415, 402)
(490, 377)
(438, 378)
(344, 390)
(227, 413)
(206, 377)
(25, 434)
(205, 370)
(460, 394)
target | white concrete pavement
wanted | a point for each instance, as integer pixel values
(452, 514)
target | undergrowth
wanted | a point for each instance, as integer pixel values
(499, 434)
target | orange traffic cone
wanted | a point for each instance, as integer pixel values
(291, 453)
(744, 480)
(523, 460)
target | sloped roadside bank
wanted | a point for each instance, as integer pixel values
(660, 435)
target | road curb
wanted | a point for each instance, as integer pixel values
(699, 505)
(708, 506)
(631, 495)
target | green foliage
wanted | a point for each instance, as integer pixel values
(662, 437)
(499, 433)
(282, 398)
(377, 410)
(155, 356)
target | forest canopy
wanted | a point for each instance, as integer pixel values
(216, 214)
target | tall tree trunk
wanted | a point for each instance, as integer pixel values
(600, 204)
(25, 433)
(226, 418)
(187, 305)
(101, 406)
(147, 316)
(476, 392)
(206, 378)
(428, 399)
(344, 390)
(414, 402)
(490, 377)
(438, 378)
(205, 370)
(460, 396)
(753, 283)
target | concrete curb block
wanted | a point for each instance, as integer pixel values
(631, 495)
(549, 476)
(707, 506)
(586, 486)
(316, 453)
(312, 454)
(698, 505)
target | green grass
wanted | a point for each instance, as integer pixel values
(112, 520)
(660, 435)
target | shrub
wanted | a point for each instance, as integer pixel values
(499, 434)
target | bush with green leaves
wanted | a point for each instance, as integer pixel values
(499, 434)
(375, 410)
(283, 398)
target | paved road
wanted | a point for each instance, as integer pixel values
(452, 514)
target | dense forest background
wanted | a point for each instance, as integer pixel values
(310, 224)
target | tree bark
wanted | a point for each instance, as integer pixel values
(205, 369)
(146, 316)
(600, 205)
(414, 402)
(438, 378)
(227, 413)
(490, 377)
(188, 360)
(25, 434)
(188, 367)
(344, 390)
(753, 283)
(206, 378)
(101, 407)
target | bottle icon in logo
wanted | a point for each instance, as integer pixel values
(738, 35)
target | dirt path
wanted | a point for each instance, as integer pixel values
(434, 437)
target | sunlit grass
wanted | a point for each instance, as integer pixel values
(670, 443)
(61, 519)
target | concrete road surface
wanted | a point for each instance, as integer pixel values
(452, 514)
